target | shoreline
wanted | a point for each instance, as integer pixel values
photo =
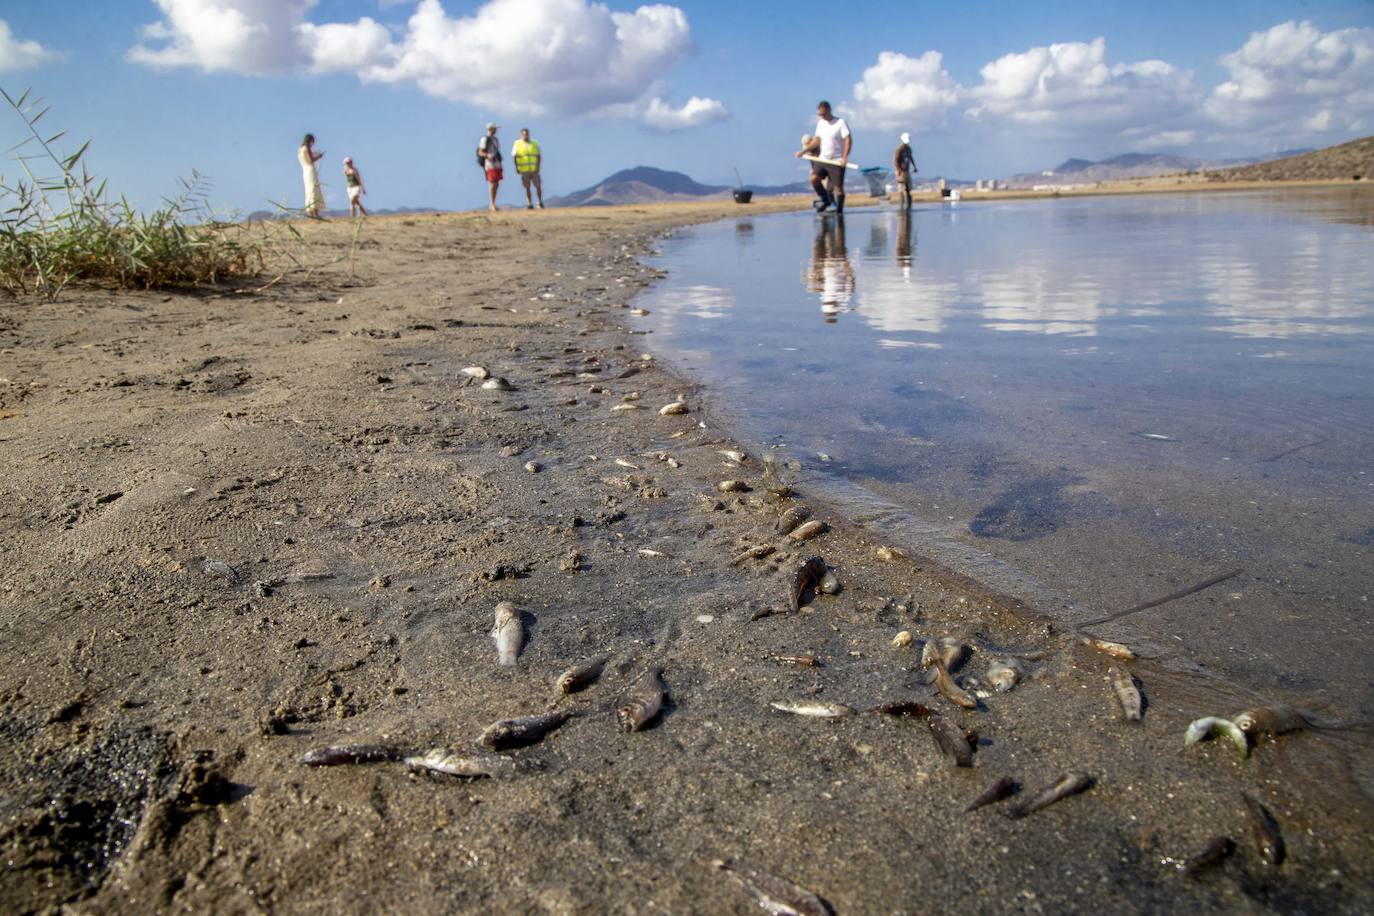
(245, 526)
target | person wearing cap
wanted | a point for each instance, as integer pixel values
(527, 160)
(489, 156)
(904, 164)
(354, 179)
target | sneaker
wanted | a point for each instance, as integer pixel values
(529, 206)
(820, 206)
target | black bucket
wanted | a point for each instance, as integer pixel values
(742, 196)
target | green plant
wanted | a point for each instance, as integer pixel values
(60, 229)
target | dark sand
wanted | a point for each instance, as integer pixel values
(314, 523)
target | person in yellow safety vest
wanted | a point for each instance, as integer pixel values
(527, 158)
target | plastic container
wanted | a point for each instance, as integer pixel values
(742, 196)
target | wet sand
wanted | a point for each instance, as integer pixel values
(237, 527)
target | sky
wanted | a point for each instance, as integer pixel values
(405, 87)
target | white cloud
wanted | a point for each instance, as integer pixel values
(20, 55)
(536, 57)
(901, 91)
(1294, 76)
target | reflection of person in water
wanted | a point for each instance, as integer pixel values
(906, 243)
(829, 274)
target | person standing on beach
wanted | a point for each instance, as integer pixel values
(354, 179)
(527, 161)
(833, 141)
(314, 198)
(489, 154)
(904, 164)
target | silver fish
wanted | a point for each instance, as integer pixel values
(509, 633)
(642, 704)
(734, 455)
(1004, 673)
(1208, 725)
(519, 732)
(1114, 649)
(812, 708)
(336, 754)
(789, 520)
(776, 895)
(1269, 720)
(1064, 786)
(808, 573)
(579, 676)
(1127, 693)
(753, 553)
(675, 408)
(948, 688)
(498, 384)
(466, 763)
(809, 530)
(733, 486)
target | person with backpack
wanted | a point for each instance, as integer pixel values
(489, 158)
(527, 161)
(904, 164)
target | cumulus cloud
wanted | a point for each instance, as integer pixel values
(1294, 76)
(536, 57)
(20, 55)
(902, 91)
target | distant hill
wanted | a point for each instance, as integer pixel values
(1119, 168)
(1345, 161)
(644, 184)
(259, 215)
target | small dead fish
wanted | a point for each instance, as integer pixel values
(798, 661)
(639, 312)
(1265, 830)
(509, 634)
(1004, 673)
(733, 486)
(497, 384)
(951, 740)
(904, 709)
(1127, 693)
(476, 371)
(650, 552)
(466, 763)
(1269, 720)
(1209, 725)
(579, 676)
(643, 702)
(1066, 785)
(627, 464)
(776, 895)
(808, 573)
(1155, 437)
(792, 518)
(757, 552)
(999, 790)
(521, 731)
(619, 408)
(813, 708)
(830, 583)
(902, 640)
(337, 754)
(1216, 851)
(673, 409)
(890, 554)
(737, 457)
(948, 649)
(950, 690)
(1114, 649)
(809, 530)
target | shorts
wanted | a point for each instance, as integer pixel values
(354, 191)
(833, 172)
(904, 180)
(528, 178)
(494, 175)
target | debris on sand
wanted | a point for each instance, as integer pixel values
(643, 701)
(1063, 787)
(518, 732)
(1002, 788)
(508, 633)
(580, 675)
(339, 754)
(467, 763)
(808, 531)
(813, 708)
(776, 895)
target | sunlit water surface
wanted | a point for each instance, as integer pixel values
(1120, 396)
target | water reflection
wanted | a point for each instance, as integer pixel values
(829, 272)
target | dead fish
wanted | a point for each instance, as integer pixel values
(904, 709)
(476, 371)
(733, 486)
(776, 895)
(999, 790)
(1064, 786)
(950, 690)
(1003, 674)
(948, 649)
(1208, 725)
(639, 312)
(650, 552)
(673, 409)
(809, 530)
(1127, 693)
(734, 455)
(1155, 437)
(809, 572)
(813, 708)
(757, 552)
(890, 554)
(951, 740)
(627, 464)
(579, 676)
(830, 583)
(1265, 830)
(798, 661)
(902, 640)
(1114, 649)
(792, 518)
(521, 731)
(643, 701)
(466, 763)
(509, 633)
(1269, 720)
(533, 467)
(497, 384)
(618, 408)
(337, 754)
(1216, 850)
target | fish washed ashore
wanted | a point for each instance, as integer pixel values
(298, 614)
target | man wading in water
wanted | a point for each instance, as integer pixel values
(832, 141)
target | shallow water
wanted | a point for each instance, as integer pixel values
(1120, 396)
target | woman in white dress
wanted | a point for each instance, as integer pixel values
(314, 198)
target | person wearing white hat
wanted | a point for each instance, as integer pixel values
(904, 164)
(489, 158)
(353, 179)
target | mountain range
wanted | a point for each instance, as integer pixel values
(1132, 165)
(644, 184)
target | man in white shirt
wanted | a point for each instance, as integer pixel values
(832, 141)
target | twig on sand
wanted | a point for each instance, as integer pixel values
(1172, 596)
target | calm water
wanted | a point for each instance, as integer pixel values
(1120, 396)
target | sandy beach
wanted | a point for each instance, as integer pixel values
(239, 525)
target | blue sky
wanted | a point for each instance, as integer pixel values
(404, 86)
